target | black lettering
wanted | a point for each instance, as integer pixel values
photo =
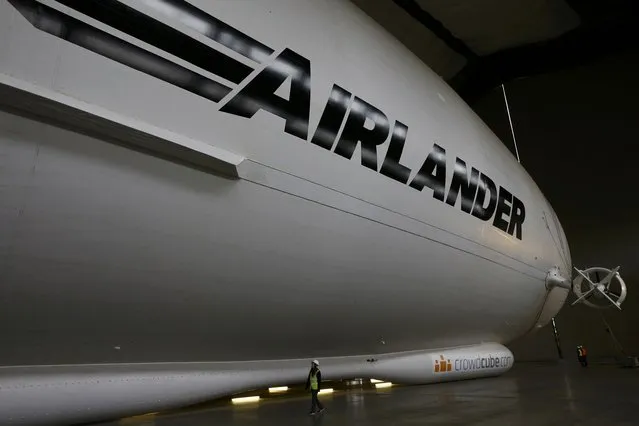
(391, 166)
(502, 208)
(467, 184)
(149, 30)
(485, 213)
(211, 27)
(517, 218)
(432, 173)
(356, 132)
(496, 362)
(93, 39)
(259, 93)
(332, 117)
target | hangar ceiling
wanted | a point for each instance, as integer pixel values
(476, 45)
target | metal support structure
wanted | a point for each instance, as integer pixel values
(557, 342)
(615, 342)
(436, 27)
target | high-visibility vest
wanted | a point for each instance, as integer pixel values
(314, 381)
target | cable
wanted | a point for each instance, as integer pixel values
(510, 120)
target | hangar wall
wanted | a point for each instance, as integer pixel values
(578, 136)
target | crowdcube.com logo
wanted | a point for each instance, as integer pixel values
(443, 365)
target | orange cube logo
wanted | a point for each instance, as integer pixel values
(443, 365)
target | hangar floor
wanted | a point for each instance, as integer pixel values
(530, 394)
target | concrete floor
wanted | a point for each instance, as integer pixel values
(530, 394)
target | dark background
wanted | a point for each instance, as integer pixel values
(578, 137)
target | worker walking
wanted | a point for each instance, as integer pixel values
(582, 355)
(314, 382)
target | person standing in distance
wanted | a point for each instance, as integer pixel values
(584, 353)
(314, 382)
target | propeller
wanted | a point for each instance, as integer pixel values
(600, 294)
(610, 291)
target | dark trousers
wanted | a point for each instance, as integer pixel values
(315, 403)
(584, 361)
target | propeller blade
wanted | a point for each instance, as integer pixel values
(608, 297)
(586, 277)
(608, 277)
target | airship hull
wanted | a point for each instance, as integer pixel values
(333, 203)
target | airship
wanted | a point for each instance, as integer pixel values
(198, 198)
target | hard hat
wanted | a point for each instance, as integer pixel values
(316, 362)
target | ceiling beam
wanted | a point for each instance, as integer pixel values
(597, 37)
(575, 48)
(437, 28)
